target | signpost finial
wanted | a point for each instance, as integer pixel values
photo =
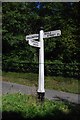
(41, 28)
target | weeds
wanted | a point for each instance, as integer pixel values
(26, 107)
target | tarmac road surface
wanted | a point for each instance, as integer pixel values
(8, 87)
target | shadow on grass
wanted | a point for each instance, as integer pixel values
(74, 114)
(11, 116)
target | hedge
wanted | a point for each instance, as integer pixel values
(55, 68)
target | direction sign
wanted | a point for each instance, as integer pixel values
(34, 43)
(32, 36)
(46, 35)
(52, 34)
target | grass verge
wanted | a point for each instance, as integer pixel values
(25, 107)
(30, 79)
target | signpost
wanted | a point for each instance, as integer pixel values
(40, 45)
(45, 35)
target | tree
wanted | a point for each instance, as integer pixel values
(21, 19)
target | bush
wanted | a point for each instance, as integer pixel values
(55, 68)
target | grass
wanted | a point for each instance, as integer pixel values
(0, 65)
(62, 84)
(25, 107)
(30, 79)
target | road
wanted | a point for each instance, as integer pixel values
(8, 87)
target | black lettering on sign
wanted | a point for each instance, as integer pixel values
(35, 43)
(58, 34)
(47, 33)
(32, 37)
(28, 37)
(51, 35)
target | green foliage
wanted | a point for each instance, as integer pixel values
(52, 68)
(58, 68)
(21, 19)
(29, 108)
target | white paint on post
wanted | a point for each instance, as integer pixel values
(41, 64)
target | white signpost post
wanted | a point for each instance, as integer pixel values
(40, 45)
